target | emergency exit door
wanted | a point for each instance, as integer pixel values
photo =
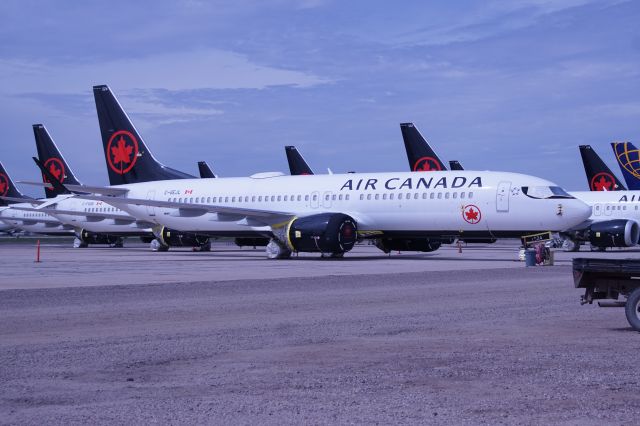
(502, 196)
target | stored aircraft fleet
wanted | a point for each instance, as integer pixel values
(307, 212)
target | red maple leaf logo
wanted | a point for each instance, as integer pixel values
(471, 214)
(3, 187)
(426, 164)
(603, 184)
(55, 172)
(122, 152)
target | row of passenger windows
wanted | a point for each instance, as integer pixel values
(618, 207)
(327, 197)
(29, 214)
(101, 210)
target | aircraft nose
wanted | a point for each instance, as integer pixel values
(579, 211)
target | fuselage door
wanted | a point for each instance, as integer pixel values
(502, 196)
(151, 195)
(597, 210)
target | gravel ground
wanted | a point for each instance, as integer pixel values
(489, 346)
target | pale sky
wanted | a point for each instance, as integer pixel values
(512, 86)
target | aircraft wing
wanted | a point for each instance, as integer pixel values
(40, 184)
(77, 213)
(24, 200)
(265, 217)
(104, 190)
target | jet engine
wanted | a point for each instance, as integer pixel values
(614, 233)
(388, 245)
(172, 238)
(334, 233)
(88, 237)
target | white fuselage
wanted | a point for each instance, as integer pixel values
(36, 222)
(608, 205)
(403, 203)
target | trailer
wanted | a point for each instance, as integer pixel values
(613, 282)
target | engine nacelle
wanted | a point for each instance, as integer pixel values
(173, 238)
(324, 232)
(89, 237)
(251, 242)
(614, 233)
(388, 245)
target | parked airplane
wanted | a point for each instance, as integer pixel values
(327, 213)
(628, 158)
(11, 199)
(599, 176)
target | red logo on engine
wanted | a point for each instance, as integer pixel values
(4, 184)
(471, 214)
(122, 151)
(55, 166)
(427, 164)
(603, 181)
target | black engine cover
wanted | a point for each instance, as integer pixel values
(614, 233)
(173, 238)
(96, 238)
(325, 232)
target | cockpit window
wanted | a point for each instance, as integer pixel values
(545, 192)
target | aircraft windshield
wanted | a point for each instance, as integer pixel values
(545, 192)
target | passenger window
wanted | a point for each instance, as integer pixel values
(299, 198)
(455, 195)
(340, 197)
(432, 195)
(439, 195)
(384, 196)
(462, 195)
(226, 199)
(607, 207)
(208, 200)
(180, 199)
(424, 195)
(446, 195)
(361, 197)
(233, 199)
(391, 196)
(400, 196)
(346, 197)
(273, 198)
(253, 198)
(279, 198)
(315, 198)
(306, 198)
(377, 196)
(470, 194)
(260, 198)
(333, 197)
(326, 197)
(368, 196)
(286, 198)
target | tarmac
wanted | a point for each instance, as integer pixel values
(107, 335)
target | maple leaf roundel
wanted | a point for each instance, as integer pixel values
(4, 185)
(56, 168)
(122, 151)
(603, 181)
(471, 214)
(427, 164)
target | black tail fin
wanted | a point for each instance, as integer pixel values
(52, 159)
(205, 170)
(297, 165)
(599, 176)
(127, 156)
(421, 157)
(58, 187)
(8, 188)
(455, 165)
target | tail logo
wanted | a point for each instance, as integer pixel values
(629, 158)
(471, 214)
(603, 181)
(426, 164)
(4, 184)
(122, 152)
(56, 168)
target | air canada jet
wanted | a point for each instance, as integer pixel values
(11, 199)
(599, 176)
(327, 213)
(628, 158)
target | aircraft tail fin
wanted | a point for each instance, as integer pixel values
(297, 164)
(8, 188)
(599, 175)
(628, 158)
(205, 170)
(128, 158)
(50, 156)
(58, 186)
(422, 158)
(455, 165)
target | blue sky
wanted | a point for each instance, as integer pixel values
(512, 86)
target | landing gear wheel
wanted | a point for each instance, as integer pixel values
(78, 243)
(275, 250)
(206, 246)
(119, 243)
(632, 309)
(570, 245)
(158, 246)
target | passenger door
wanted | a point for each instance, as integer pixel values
(151, 195)
(502, 196)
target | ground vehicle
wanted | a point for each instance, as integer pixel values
(609, 279)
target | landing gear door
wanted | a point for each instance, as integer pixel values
(502, 196)
(151, 195)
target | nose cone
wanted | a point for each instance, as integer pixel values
(575, 212)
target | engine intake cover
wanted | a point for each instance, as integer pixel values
(324, 232)
(614, 233)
